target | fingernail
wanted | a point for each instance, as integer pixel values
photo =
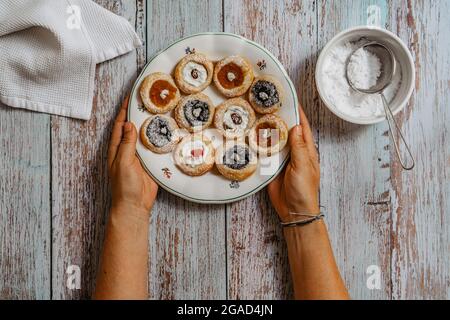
(127, 126)
(298, 130)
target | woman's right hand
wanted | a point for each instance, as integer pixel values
(296, 189)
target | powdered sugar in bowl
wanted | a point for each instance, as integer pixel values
(337, 94)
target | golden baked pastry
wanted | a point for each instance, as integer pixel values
(236, 161)
(234, 117)
(233, 76)
(266, 94)
(194, 73)
(159, 93)
(269, 135)
(194, 155)
(160, 134)
(195, 112)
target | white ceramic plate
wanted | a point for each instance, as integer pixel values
(212, 187)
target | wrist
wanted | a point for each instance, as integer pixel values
(128, 226)
(311, 230)
(296, 213)
(124, 208)
(309, 208)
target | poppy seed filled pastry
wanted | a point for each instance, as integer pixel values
(194, 73)
(233, 76)
(236, 161)
(269, 135)
(194, 112)
(266, 94)
(194, 155)
(160, 134)
(159, 93)
(234, 117)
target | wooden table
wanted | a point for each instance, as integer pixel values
(55, 193)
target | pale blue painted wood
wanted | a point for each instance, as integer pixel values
(376, 214)
(257, 258)
(355, 170)
(80, 182)
(24, 204)
(187, 241)
(421, 199)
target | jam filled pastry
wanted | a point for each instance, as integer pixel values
(160, 134)
(194, 155)
(159, 93)
(234, 118)
(194, 112)
(233, 76)
(236, 161)
(194, 73)
(266, 94)
(269, 135)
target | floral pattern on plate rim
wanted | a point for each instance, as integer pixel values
(234, 185)
(141, 108)
(167, 173)
(188, 50)
(262, 64)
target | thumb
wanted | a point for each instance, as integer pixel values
(127, 148)
(299, 151)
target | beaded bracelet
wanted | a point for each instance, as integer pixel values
(303, 222)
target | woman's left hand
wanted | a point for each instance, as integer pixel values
(132, 189)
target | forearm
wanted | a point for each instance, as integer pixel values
(314, 271)
(123, 272)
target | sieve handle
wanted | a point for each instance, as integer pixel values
(390, 119)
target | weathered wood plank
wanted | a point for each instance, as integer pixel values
(80, 187)
(187, 241)
(355, 172)
(257, 257)
(141, 30)
(24, 204)
(421, 198)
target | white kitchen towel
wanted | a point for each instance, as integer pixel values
(49, 49)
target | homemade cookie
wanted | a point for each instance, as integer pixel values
(233, 76)
(194, 155)
(159, 93)
(160, 134)
(234, 117)
(266, 94)
(195, 112)
(269, 135)
(235, 161)
(194, 73)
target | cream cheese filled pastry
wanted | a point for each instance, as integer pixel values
(160, 134)
(236, 161)
(269, 135)
(159, 93)
(233, 76)
(266, 94)
(194, 73)
(234, 117)
(194, 155)
(195, 112)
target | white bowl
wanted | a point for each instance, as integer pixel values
(402, 55)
